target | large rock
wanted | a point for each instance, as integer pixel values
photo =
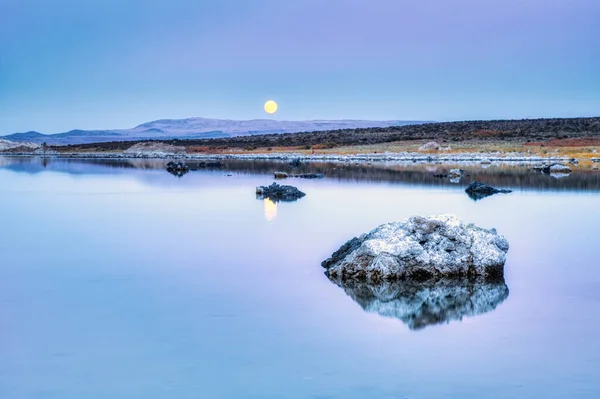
(477, 190)
(276, 192)
(419, 304)
(420, 248)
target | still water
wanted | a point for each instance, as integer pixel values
(119, 280)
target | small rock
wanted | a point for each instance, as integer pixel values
(276, 192)
(595, 160)
(477, 191)
(556, 168)
(574, 161)
(281, 175)
(177, 168)
(310, 176)
(456, 173)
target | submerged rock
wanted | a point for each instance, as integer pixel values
(419, 304)
(276, 192)
(420, 248)
(477, 191)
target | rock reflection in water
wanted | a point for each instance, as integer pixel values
(419, 304)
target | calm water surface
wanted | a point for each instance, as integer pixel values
(121, 281)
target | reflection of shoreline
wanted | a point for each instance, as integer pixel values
(498, 175)
(422, 304)
(270, 209)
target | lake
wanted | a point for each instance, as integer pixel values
(119, 280)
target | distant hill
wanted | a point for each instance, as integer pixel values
(507, 131)
(199, 128)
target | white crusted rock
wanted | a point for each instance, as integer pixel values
(420, 248)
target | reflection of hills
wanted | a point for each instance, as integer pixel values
(503, 176)
(422, 304)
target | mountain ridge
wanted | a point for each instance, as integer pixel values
(198, 127)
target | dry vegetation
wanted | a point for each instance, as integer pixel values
(580, 136)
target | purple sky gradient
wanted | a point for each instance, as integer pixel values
(68, 64)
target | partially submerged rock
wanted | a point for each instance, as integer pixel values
(556, 168)
(419, 304)
(177, 168)
(420, 248)
(456, 173)
(283, 175)
(477, 190)
(276, 192)
(310, 176)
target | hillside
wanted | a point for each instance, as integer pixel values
(508, 131)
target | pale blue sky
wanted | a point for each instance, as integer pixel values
(86, 64)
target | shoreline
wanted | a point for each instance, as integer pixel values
(341, 158)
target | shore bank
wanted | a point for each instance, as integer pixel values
(342, 158)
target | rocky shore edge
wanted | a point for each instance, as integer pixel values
(384, 157)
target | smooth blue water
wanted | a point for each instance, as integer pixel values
(131, 283)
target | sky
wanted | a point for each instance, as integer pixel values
(99, 64)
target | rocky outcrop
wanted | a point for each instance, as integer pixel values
(431, 146)
(477, 191)
(7, 145)
(155, 149)
(276, 192)
(420, 304)
(420, 248)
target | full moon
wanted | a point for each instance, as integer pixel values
(271, 107)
